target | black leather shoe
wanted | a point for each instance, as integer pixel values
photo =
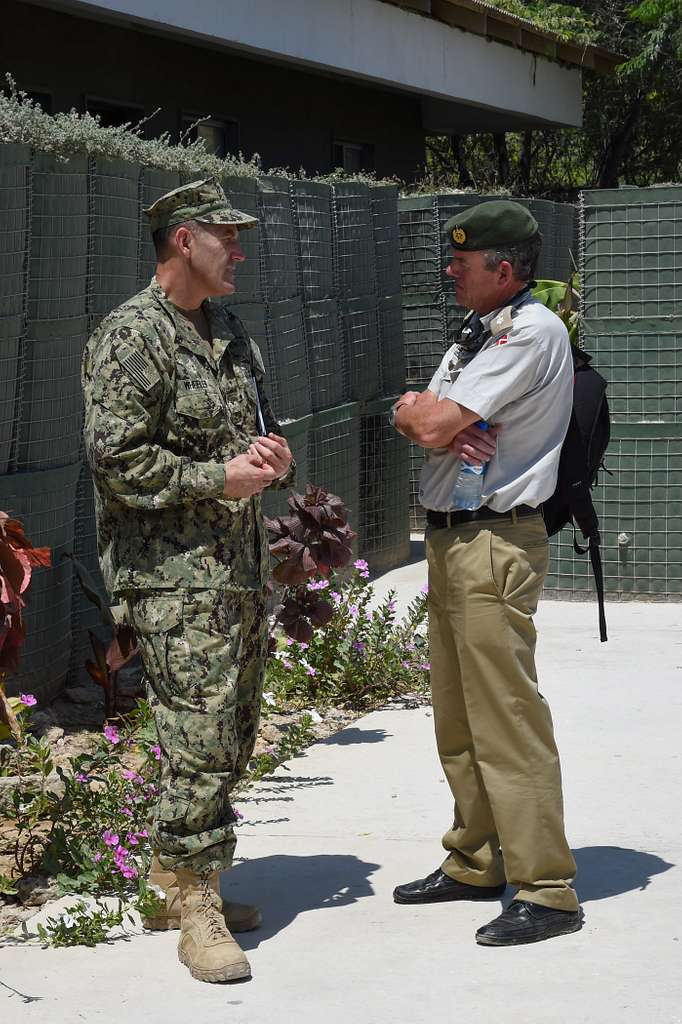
(528, 922)
(439, 888)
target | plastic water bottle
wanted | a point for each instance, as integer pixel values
(468, 490)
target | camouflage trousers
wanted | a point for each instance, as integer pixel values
(204, 657)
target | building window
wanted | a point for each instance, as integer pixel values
(353, 156)
(112, 114)
(220, 135)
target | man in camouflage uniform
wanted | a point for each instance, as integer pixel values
(173, 406)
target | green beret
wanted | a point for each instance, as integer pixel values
(491, 224)
(204, 201)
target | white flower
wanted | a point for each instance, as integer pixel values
(158, 890)
(269, 698)
(315, 716)
(66, 919)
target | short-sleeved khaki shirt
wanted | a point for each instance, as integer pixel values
(522, 382)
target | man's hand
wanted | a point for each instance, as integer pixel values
(246, 475)
(272, 451)
(474, 446)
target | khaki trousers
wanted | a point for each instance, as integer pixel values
(493, 727)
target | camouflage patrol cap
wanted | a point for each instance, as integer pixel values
(204, 201)
(490, 224)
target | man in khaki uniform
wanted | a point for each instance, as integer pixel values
(181, 441)
(512, 368)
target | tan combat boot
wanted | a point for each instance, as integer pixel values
(239, 917)
(206, 946)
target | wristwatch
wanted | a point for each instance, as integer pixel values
(394, 410)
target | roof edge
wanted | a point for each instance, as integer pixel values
(484, 19)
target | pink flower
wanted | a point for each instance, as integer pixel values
(110, 838)
(97, 858)
(28, 700)
(405, 664)
(142, 834)
(286, 663)
(303, 645)
(336, 597)
(111, 733)
(237, 814)
(310, 671)
(353, 611)
(131, 776)
(290, 642)
(391, 606)
(426, 666)
(360, 563)
(156, 751)
(318, 584)
(79, 777)
(126, 810)
(131, 839)
(359, 646)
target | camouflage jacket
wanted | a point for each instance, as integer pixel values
(162, 416)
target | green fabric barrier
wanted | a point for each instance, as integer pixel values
(278, 245)
(383, 525)
(60, 232)
(312, 212)
(329, 384)
(353, 240)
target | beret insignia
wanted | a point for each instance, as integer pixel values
(459, 236)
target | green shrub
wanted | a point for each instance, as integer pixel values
(361, 657)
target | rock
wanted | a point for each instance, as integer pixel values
(54, 733)
(41, 721)
(270, 734)
(34, 890)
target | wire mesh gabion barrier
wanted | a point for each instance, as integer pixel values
(630, 254)
(319, 291)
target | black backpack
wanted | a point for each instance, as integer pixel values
(582, 456)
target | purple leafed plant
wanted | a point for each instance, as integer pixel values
(312, 541)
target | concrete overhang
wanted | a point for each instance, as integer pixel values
(467, 80)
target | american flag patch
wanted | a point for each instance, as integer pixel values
(137, 369)
(503, 340)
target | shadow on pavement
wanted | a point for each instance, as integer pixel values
(605, 871)
(353, 735)
(286, 886)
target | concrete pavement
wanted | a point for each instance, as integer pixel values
(326, 841)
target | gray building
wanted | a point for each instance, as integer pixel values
(307, 83)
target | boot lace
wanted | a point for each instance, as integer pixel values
(216, 924)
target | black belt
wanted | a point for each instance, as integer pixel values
(458, 516)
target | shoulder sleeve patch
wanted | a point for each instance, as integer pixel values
(504, 321)
(143, 373)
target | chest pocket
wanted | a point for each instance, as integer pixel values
(198, 398)
(202, 406)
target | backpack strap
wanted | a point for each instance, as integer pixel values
(577, 493)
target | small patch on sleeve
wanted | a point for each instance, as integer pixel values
(140, 372)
